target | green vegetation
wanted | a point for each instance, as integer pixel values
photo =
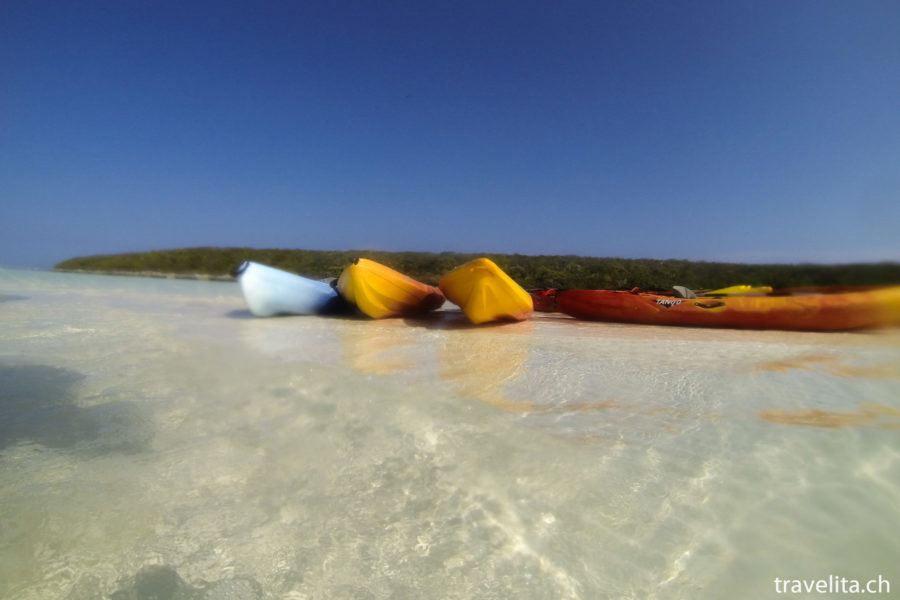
(532, 272)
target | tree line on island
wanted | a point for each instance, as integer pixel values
(531, 272)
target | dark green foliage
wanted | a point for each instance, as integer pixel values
(532, 272)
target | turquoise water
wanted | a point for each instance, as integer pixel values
(154, 437)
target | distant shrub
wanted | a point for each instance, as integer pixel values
(532, 272)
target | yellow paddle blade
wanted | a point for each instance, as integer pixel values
(740, 289)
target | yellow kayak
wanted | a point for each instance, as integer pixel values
(485, 293)
(379, 291)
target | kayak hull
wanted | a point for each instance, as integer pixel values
(738, 289)
(485, 293)
(806, 310)
(544, 300)
(379, 291)
(269, 291)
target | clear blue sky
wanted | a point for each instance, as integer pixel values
(750, 131)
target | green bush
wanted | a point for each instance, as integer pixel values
(532, 272)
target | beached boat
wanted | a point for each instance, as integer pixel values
(738, 289)
(379, 291)
(269, 291)
(545, 300)
(810, 309)
(485, 293)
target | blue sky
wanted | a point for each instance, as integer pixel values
(738, 131)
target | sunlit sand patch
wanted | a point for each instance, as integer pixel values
(869, 415)
(830, 365)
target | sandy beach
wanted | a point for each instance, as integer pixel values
(155, 436)
(153, 274)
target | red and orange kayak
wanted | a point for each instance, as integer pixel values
(818, 309)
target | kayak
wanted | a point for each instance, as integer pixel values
(379, 291)
(809, 309)
(485, 293)
(269, 291)
(545, 300)
(739, 289)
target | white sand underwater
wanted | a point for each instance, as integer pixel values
(154, 439)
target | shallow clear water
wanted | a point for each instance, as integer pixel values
(154, 437)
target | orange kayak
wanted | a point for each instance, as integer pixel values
(819, 309)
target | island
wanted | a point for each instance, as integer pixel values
(531, 272)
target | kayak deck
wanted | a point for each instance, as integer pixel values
(806, 310)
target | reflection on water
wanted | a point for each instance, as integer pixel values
(482, 362)
(831, 365)
(472, 361)
(869, 415)
(380, 347)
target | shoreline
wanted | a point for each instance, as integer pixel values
(151, 274)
